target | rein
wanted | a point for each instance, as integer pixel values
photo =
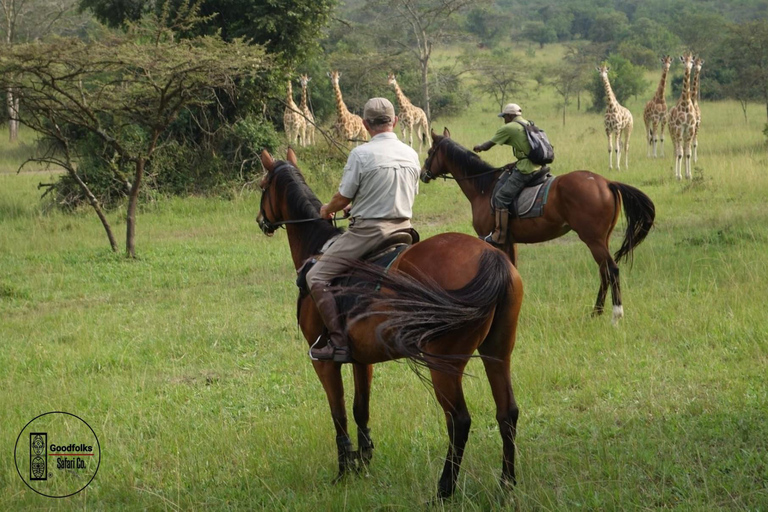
(269, 227)
(428, 165)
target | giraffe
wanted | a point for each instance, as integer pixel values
(618, 121)
(293, 121)
(655, 113)
(697, 63)
(348, 125)
(409, 115)
(682, 122)
(309, 119)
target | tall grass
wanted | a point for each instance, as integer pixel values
(189, 366)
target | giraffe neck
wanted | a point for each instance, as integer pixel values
(289, 99)
(685, 95)
(609, 92)
(659, 96)
(303, 96)
(341, 108)
(695, 87)
(401, 99)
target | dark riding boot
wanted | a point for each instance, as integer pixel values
(499, 235)
(336, 349)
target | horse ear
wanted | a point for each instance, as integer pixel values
(446, 133)
(267, 161)
(434, 135)
(291, 157)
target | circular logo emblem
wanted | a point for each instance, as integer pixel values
(57, 454)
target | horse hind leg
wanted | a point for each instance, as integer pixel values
(507, 413)
(450, 395)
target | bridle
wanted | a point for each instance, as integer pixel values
(428, 165)
(267, 226)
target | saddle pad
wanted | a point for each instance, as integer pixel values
(530, 203)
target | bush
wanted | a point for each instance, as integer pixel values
(181, 165)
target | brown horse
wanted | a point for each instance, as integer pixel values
(581, 201)
(443, 298)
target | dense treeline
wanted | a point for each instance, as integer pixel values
(211, 144)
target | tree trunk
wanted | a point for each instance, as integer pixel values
(130, 220)
(97, 207)
(425, 86)
(13, 123)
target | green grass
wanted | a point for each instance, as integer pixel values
(189, 366)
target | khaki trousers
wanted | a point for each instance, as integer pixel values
(363, 236)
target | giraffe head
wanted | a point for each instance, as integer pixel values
(697, 63)
(304, 80)
(666, 62)
(603, 69)
(334, 75)
(391, 80)
(687, 60)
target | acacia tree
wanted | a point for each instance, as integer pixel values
(425, 23)
(498, 74)
(124, 90)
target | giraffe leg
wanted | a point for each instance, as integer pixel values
(618, 150)
(661, 133)
(610, 150)
(627, 131)
(688, 159)
(649, 139)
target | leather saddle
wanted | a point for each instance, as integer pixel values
(531, 200)
(383, 256)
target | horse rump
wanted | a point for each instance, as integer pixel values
(417, 310)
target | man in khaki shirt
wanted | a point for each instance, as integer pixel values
(379, 181)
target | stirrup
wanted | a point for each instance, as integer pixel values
(338, 354)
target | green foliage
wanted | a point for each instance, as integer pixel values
(489, 24)
(289, 29)
(626, 81)
(538, 32)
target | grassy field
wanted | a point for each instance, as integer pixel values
(189, 366)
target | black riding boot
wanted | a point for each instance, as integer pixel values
(336, 349)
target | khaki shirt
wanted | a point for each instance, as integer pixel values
(512, 134)
(381, 177)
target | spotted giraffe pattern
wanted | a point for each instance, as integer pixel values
(697, 63)
(618, 123)
(682, 122)
(655, 113)
(293, 121)
(309, 119)
(348, 126)
(410, 116)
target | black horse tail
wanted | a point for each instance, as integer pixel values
(640, 213)
(417, 311)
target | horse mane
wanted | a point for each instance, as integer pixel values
(302, 203)
(472, 164)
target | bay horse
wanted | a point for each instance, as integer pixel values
(581, 201)
(442, 299)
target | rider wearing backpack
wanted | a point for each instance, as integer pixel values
(513, 133)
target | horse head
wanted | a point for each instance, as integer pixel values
(270, 216)
(433, 165)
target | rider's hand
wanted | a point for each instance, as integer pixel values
(346, 210)
(478, 148)
(325, 213)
